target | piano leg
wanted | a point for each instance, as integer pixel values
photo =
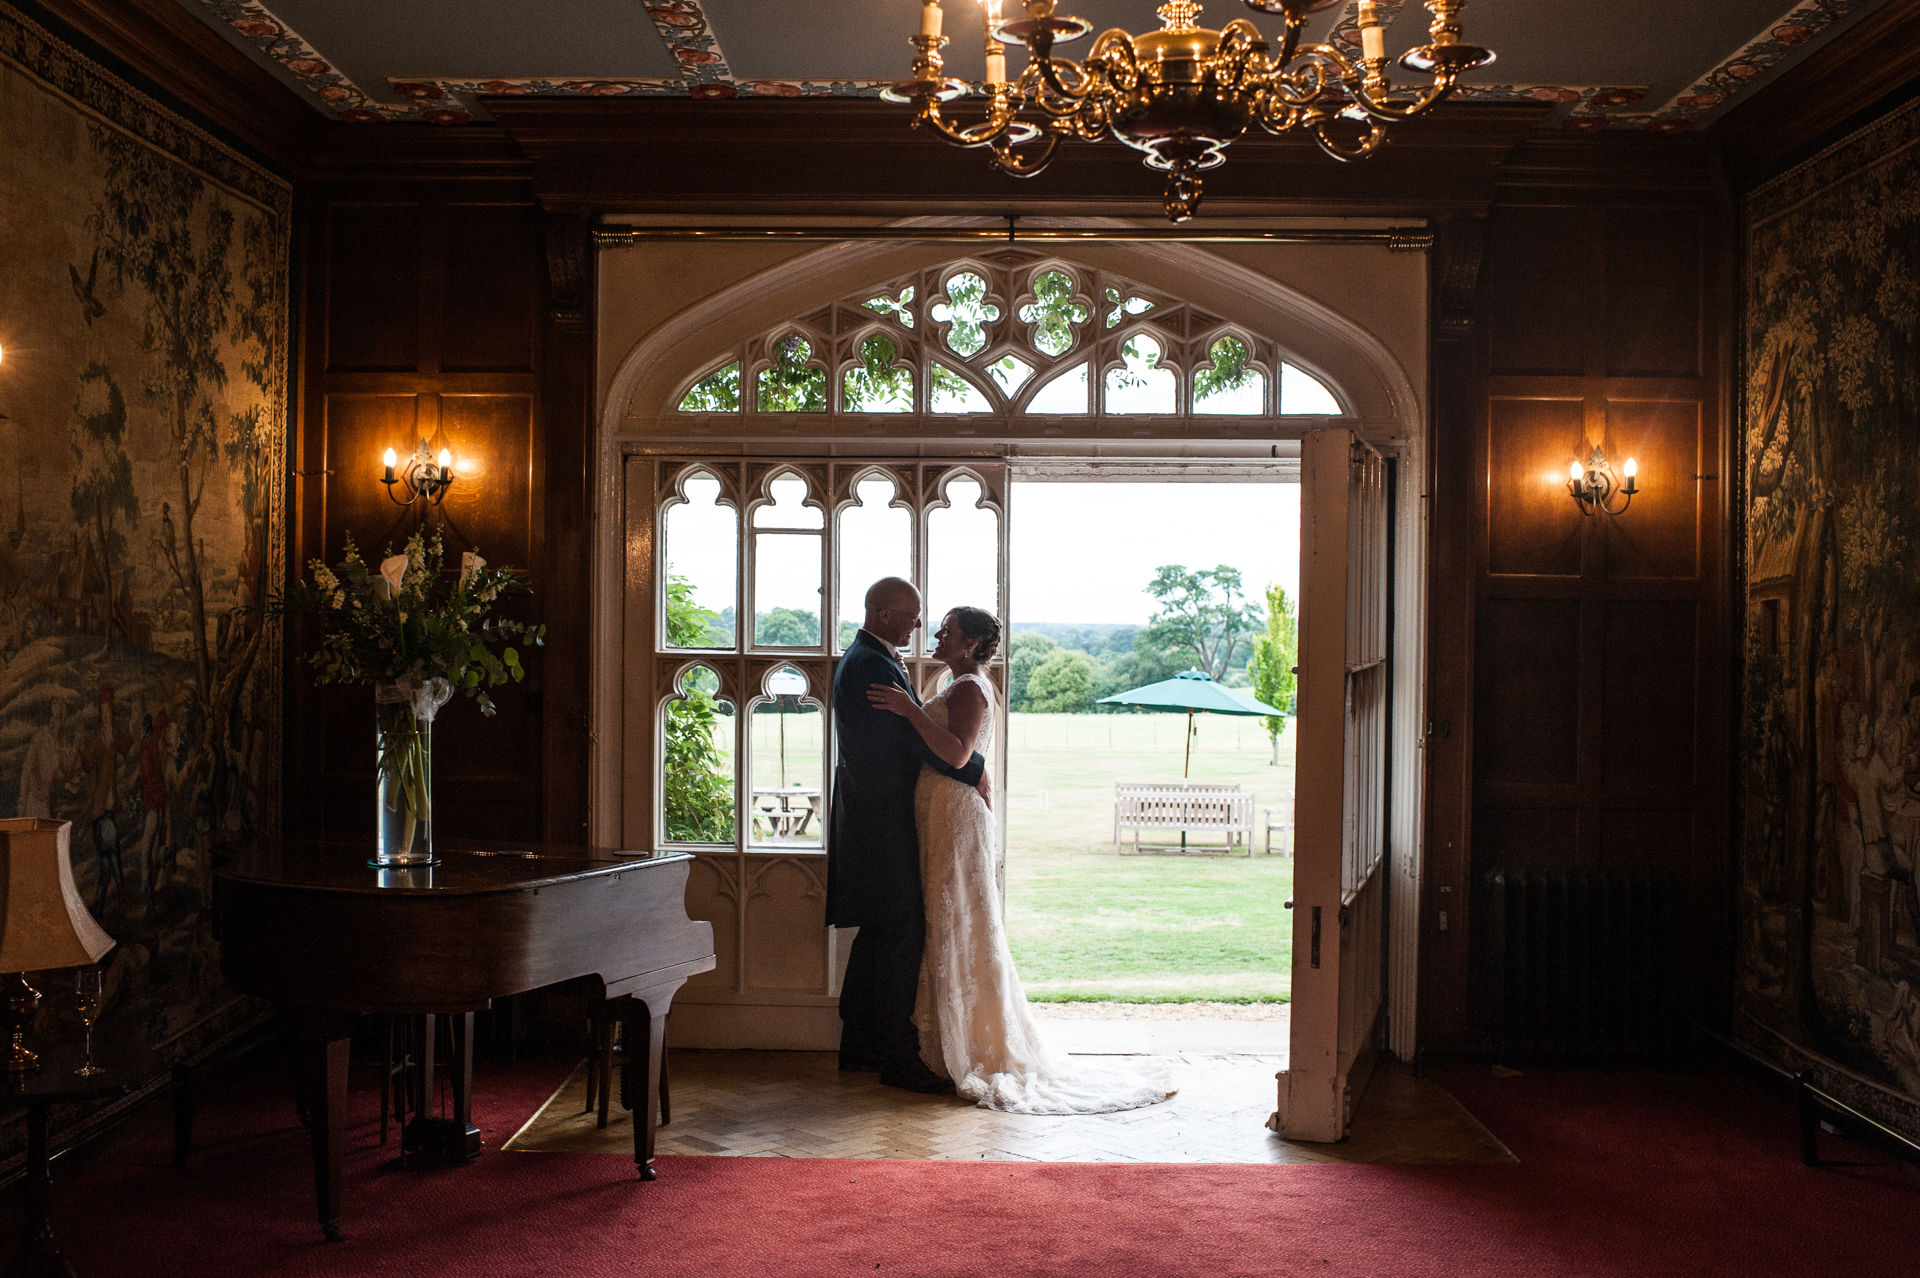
(646, 1038)
(323, 1037)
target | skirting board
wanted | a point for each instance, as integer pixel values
(765, 1028)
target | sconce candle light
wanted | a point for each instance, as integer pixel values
(1594, 487)
(424, 478)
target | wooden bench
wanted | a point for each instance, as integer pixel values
(1191, 807)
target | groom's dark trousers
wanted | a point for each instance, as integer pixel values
(873, 857)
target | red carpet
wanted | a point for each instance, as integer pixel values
(1621, 1173)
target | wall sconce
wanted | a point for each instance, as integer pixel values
(424, 478)
(1593, 485)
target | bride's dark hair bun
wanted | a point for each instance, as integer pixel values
(980, 626)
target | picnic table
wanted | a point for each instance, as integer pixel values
(785, 812)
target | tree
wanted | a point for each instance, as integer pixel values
(787, 628)
(166, 233)
(699, 784)
(105, 491)
(1271, 666)
(1201, 616)
(1136, 669)
(1023, 658)
(1062, 684)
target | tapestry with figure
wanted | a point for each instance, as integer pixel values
(143, 338)
(1829, 910)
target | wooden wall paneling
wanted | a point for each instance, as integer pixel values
(424, 322)
(1660, 535)
(1533, 529)
(1606, 326)
(490, 301)
(1654, 299)
(1454, 496)
(567, 431)
(1648, 688)
(1534, 267)
(1530, 707)
(373, 288)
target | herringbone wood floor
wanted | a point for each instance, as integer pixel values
(798, 1105)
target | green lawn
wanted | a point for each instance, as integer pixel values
(1087, 925)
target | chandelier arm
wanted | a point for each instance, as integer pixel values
(1011, 161)
(1086, 82)
(1319, 67)
(973, 135)
(1388, 110)
(1278, 117)
(1375, 136)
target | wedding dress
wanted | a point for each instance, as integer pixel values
(971, 1011)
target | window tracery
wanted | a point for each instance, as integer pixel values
(1010, 335)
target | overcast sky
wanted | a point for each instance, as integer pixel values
(1085, 552)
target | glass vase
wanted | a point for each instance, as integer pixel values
(403, 812)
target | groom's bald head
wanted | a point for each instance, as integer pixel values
(893, 610)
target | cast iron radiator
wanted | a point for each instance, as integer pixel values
(1579, 964)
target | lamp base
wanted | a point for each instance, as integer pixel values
(21, 1002)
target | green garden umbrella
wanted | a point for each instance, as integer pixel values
(1192, 690)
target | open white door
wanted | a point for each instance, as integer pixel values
(1342, 786)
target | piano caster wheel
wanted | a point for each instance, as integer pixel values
(333, 1231)
(648, 1173)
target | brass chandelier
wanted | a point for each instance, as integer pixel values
(1183, 93)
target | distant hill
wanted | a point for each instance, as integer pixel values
(1088, 636)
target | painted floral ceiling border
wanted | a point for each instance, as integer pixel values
(688, 35)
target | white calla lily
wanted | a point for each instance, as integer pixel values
(393, 571)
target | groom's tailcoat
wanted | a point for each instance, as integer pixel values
(873, 851)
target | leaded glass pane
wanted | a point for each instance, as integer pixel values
(789, 386)
(717, 392)
(696, 761)
(1301, 392)
(701, 548)
(1053, 312)
(1064, 396)
(952, 393)
(967, 313)
(1141, 386)
(878, 385)
(1227, 385)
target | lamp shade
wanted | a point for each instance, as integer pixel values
(43, 921)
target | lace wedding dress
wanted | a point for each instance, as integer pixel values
(971, 1012)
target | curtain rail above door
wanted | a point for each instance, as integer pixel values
(1407, 239)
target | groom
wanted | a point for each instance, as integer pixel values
(873, 850)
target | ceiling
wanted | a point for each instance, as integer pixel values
(1659, 65)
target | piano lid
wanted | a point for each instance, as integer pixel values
(466, 866)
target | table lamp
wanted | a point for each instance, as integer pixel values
(43, 922)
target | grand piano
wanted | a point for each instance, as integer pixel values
(309, 924)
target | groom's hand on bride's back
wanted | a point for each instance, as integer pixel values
(985, 787)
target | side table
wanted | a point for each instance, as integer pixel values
(127, 1063)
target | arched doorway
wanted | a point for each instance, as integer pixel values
(900, 366)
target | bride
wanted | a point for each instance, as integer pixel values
(971, 1011)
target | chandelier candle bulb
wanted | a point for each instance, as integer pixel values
(1632, 469)
(391, 460)
(1373, 36)
(446, 460)
(930, 17)
(1575, 472)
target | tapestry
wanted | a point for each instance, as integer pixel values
(1829, 901)
(143, 340)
